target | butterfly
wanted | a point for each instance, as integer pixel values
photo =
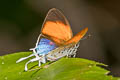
(56, 39)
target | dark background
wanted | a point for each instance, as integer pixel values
(21, 20)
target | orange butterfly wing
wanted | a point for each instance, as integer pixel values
(77, 37)
(56, 27)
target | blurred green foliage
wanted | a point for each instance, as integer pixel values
(63, 69)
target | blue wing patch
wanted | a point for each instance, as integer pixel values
(45, 46)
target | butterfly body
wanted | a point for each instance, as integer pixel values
(56, 39)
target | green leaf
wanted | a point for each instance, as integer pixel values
(63, 69)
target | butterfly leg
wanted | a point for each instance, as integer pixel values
(21, 59)
(37, 56)
(39, 61)
(32, 60)
(44, 58)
